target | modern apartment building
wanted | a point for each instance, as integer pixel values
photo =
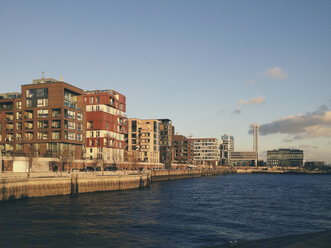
(206, 151)
(48, 115)
(285, 157)
(183, 150)
(167, 132)
(143, 140)
(226, 148)
(106, 125)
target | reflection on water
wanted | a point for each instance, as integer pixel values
(182, 213)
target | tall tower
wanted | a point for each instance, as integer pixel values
(255, 137)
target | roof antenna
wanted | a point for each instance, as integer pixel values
(43, 75)
(61, 78)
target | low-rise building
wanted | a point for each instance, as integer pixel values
(243, 159)
(285, 157)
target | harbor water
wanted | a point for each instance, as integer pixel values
(200, 212)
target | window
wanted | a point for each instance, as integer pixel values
(56, 124)
(42, 102)
(19, 105)
(28, 136)
(19, 147)
(90, 124)
(18, 136)
(91, 100)
(18, 115)
(69, 135)
(42, 92)
(79, 116)
(69, 114)
(56, 135)
(69, 124)
(79, 137)
(43, 124)
(56, 113)
(18, 126)
(29, 103)
(79, 126)
(42, 135)
(42, 113)
(97, 99)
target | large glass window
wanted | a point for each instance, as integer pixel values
(43, 124)
(42, 113)
(69, 135)
(69, 114)
(56, 135)
(42, 102)
(69, 124)
(42, 135)
(56, 124)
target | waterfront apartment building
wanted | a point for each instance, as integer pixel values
(106, 125)
(143, 140)
(48, 117)
(206, 151)
(167, 132)
(285, 157)
(226, 148)
(183, 150)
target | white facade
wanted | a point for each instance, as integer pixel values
(206, 149)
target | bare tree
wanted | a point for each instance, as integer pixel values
(31, 154)
(66, 158)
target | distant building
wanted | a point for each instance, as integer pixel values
(106, 125)
(143, 140)
(206, 151)
(167, 132)
(285, 157)
(226, 147)
(243, 159)
(183, 150)
(314, 164)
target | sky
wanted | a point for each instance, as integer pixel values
(212, 67)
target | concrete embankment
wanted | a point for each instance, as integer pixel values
(163, 175)
(12, 189)
(18, 186)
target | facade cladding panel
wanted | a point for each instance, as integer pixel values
(49, 114)
(106, 125)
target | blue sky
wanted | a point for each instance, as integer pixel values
(213, 67)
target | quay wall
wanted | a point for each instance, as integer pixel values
(13, 189)
(15, 186)
(164, 175)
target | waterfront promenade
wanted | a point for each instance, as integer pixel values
(15, 186)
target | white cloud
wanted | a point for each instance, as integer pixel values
(301, 126)
(256, 100)
(275, 73)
